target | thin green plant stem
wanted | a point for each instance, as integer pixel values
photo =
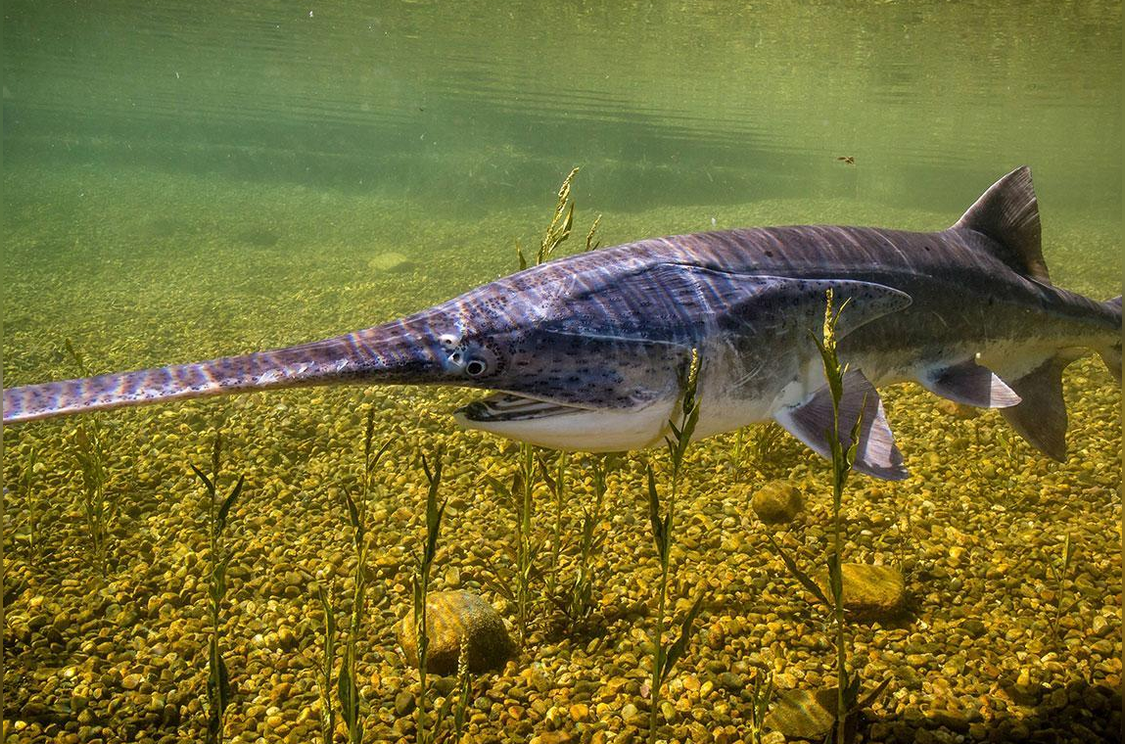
(464, 688)
(423, 562)
(842, 460)
(525, 561)
(97, 507)
(761, 694)
(32, 506)
(663, 526)
(1059, 572)
(557, 484)
(347, 683)
(218, 512)
(519, 497)
(327, 663)
(581, 593)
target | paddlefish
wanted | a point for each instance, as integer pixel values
(587, 352)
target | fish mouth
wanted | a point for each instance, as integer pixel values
(509, 407)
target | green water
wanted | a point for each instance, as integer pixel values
(479, 104)
(183, 181)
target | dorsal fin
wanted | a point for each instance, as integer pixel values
(1009, 214)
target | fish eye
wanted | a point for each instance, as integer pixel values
(475, 368)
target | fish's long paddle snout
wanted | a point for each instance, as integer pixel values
(398, 352)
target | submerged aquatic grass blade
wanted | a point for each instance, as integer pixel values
(423, 563)
(451, 716)
(516, 583)
(795, 570)
(658, 522)
(357, 507)
(761, 695)
(1059, 571)
(228, 502)
(556, 483)
(847, 690)
(663, 525)
(348, 694)
(98, 507)
(580, 601)
(562, 221)
(327, 664)
(217, 515)
(592, 243)
(769, 440)
(32, 507)
(676, 650)
(842, 458)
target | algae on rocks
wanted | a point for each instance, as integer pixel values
(777, 502)
(870, 593)
(454, 618)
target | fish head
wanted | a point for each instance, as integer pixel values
(562, 389)
(567, 391)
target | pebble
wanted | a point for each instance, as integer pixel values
(404, 703)
(453, 617)
(777, 502)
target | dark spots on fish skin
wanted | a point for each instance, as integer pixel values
(769, 254)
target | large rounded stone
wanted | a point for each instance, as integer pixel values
(800, 714)
(870, 592)
(777, 502)
(451, 617)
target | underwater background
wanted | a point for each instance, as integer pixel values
(184, 181)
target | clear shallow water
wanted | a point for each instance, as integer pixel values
(183, 183)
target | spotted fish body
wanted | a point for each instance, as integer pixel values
(587, 352)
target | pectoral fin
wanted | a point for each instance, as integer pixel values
(876, 455)
(970, 384)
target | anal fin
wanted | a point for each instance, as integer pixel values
(970, 384)
(876, 455)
